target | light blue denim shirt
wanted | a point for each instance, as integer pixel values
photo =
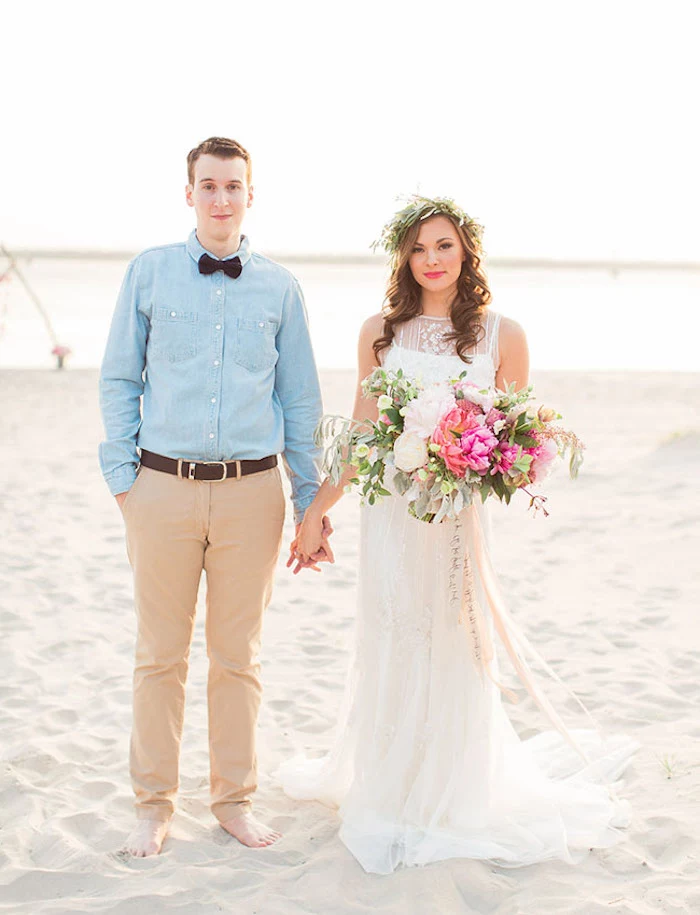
(209, 368)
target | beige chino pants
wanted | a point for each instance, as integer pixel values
(176, 528)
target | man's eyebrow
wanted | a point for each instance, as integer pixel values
(213, 180)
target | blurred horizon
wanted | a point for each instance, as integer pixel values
(583, 318)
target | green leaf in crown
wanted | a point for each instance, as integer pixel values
(417, 209)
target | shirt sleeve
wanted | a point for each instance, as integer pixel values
(299, 392)
(121, 386)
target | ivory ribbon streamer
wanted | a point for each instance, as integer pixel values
(513, 639)
(471, 614)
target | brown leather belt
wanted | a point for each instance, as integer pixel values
(208, 471)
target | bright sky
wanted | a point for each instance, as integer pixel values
(567, 129)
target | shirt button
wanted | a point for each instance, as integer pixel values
(216, 362)
(211, 435)
(261, 324)
(218, 292)
(218, 327)
(213, 400)
(173, 314)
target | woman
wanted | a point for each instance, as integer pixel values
(426, 764)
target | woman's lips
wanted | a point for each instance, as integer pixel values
(435, 276)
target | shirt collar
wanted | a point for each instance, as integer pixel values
(195, 249)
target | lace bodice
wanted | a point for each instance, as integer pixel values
(421, 349)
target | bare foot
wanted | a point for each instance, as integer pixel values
(251, 832)
(147, 838)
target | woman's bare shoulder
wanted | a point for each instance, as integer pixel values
(373, 326)
(510, 332)
(371, 330)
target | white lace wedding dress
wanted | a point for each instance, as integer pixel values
(425, 764)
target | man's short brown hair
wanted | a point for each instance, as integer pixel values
(224, 149)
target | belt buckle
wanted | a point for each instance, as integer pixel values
(225, 466)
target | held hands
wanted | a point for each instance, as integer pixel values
(310, 545)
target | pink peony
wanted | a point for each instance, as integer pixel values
(461, 418)
(424, 413)
(509, 455)
(450, 451)
(543, 456)
(478, 445)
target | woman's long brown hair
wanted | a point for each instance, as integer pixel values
(467, 310)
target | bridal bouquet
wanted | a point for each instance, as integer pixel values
(446, 442)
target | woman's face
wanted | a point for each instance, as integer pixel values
(437, 256)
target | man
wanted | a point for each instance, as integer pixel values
(208, 375)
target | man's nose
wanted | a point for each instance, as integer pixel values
(221, 198)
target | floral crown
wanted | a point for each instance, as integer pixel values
(417, 209)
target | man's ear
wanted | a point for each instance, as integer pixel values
(188, 195)
(251, 195)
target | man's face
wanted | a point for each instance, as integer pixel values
(220, 195)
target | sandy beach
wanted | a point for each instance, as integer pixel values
(607, 587)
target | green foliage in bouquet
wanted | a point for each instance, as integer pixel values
(366, 445)
(442, 475)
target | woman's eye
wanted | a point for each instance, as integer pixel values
(446, 244)
(417, 250)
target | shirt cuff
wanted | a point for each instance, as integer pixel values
(300, 509)
(122, 479)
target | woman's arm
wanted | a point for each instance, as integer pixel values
(514, 365)
(310, 537)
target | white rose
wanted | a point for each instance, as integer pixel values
(423, 413)
(384, 402)
(410, 452)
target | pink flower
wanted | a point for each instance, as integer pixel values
(473, 395)
(424, 413)
(460, 418)
(509, 455)
(493, 416)
(543, 456)
(478, 445)
(450, 451)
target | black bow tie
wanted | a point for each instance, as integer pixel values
(231, 267)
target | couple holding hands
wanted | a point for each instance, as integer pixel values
(209, 376)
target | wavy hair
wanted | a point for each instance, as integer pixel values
(403, 294)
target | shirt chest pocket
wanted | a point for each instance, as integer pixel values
(255, 346)
(173, 334)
